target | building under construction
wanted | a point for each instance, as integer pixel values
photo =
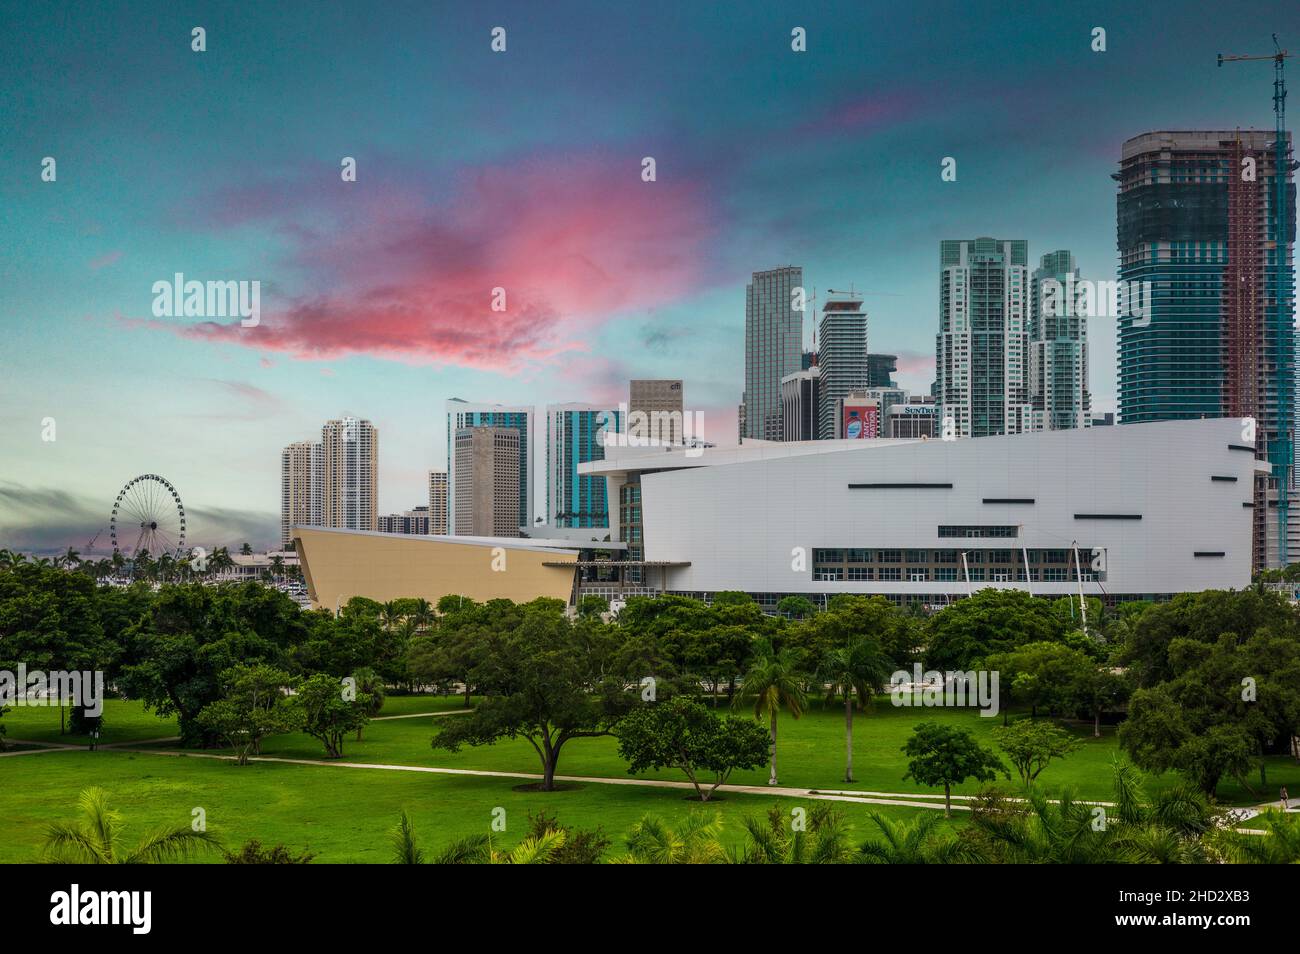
(1197, 217)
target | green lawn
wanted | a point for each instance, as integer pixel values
(345, 814)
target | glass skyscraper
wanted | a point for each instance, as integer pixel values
(1196, 217)
(773, 347)
(462, 414)
(574, 434)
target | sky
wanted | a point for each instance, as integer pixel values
(521, 170)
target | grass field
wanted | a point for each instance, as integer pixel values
(345, 814)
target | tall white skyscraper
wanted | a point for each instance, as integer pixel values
(1058, 346)
(982, 349)
(300, 488)
(349, 473)
(773, 347)
(841, 359)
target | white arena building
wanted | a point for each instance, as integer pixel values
(1123, 512)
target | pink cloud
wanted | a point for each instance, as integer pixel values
(572, 242)
(108, 258)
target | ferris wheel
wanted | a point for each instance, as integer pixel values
(148, 516)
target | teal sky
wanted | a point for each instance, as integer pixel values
(519, 170)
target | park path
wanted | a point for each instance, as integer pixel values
(900, 799)
(422, 715)
(904, 799)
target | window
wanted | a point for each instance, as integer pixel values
(827, 574)
(891, 556)
(859, 556)
(980, 530)
(918, 556)
(891, 573)
(862, 573)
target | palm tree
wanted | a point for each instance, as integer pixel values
(822, 840)
(696, 843)
(277, 566)
(245, 550)
(1281, 846)
(405, 849)
(95, 838)
(69, 559)
(423, 615)
(914, 842)
(772, 683)
(389, 616)
(854, 671)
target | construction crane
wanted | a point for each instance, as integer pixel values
(1282, 451)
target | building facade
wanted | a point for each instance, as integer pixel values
(982, 349)
(486, 462)
(575, 434)
(349, 473)
(438, 498)
(301, 483)
(462, 414)
(880, 370)
(842, 358)
(773, 347)
(655, 411)
(1199, 217)
(1119, 513)
(414, 521)
(1058, 345)
(800, 404)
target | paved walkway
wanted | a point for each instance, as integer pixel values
(422, 715)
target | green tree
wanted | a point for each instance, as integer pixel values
(991, 621)
(254, 707)
(191, 633)
(542, 684)
(946, 755)
(696, 842)
(853, 672)
(773, 683)
(1031, 745)
(917, 841)
(775, 839)
(683, 734)
(326, 712)
(96, 838)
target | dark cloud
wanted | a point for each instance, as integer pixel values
(43, 521)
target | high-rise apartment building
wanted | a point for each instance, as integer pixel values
(575, 435)
(1208, 219)
(773, 347)
(981, 351)
(486, 462)
(462, 414)
(1058, 345)
(841, 358)
(655, 411)
(438, 501)
(349, 473)
(300, 488)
